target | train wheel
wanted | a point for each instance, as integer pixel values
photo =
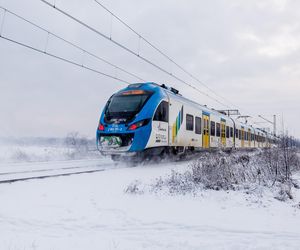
(116, 158)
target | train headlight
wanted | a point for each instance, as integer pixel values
(101, 127)
(138, 124)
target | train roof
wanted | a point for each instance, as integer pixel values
(175, 93)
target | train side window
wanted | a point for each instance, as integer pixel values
(212, 128)
(189, 122)
(197, 125)
(227, 132)
(240, 134)
(231, 132)
(236, 133)
(218, 130)
(162, 112)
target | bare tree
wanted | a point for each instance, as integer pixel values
(76, 144)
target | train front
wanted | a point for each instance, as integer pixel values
(125, 124)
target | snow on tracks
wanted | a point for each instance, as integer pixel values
(13, 172)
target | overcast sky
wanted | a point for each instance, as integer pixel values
(246, 51)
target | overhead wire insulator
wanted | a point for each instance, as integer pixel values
(111, 27)
(47, 41)
(2, 21)
(83, 57)
(139, 45)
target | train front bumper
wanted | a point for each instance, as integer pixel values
(115, 144)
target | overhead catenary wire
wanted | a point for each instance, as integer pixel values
(141, 37)
(5, 11)
(63, 59)
(130, 51)
(84, 51)
(44, 52)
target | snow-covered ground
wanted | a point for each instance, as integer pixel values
(33, 153)
(92, 211)
(44, 149)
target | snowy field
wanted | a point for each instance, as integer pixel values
(93, 211)
(45, 149)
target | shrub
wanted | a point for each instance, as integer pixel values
(237, 170)
(175, 183)
(77, 145)
(134, 188)
(20, 155)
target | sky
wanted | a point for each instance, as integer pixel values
(247, 52)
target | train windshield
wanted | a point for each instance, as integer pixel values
(126, 105)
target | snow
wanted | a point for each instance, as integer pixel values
(92, 211)
(19, 153)
(11, 171)
(44, 149)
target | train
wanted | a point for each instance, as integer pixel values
(148, 119)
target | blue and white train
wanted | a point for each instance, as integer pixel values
(151, 119)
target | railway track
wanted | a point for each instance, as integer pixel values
(49, 176)
(39, 171)
(16, 172)
(23, 172)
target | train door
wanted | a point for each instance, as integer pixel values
(159, 134)
(249, 137)
(205, 135)
(223, 133)
(242, 137)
